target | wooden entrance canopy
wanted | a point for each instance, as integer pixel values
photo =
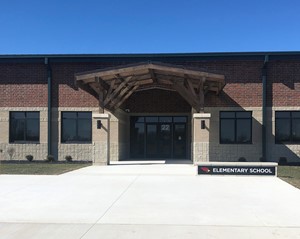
(114, 85)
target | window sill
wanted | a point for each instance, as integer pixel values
(76, 142)
(25, 142)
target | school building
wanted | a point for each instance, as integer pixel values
(202, 107)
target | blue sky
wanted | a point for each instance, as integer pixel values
(140, 26)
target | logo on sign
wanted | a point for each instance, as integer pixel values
(205, 169)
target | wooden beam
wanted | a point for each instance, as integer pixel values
(201, 96)
(111, 87)
(156, 86)
(101, 102)
(153, 76)
(116, 99)
(179, 70)
(200, 83)
(129, 70)
(129, 93)
(190, 86)
(102, 82)
(186, 95)
(87, 88)
(146, 81)
(117, 90)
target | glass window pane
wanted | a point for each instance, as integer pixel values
(84, 130)
(296, 130)
(151, 119)
(32, 130)
(165, 119)
(244, 114)
(17, 130)
(282, 130)
(71, 115)
(85, 115)
(33, 115)
(18, 115)
(179, 119)
(282, 114)
(137, 119)
(227, 131)
(137, 140)
(243, 131)
(227, 114)
(69, 130)
(296, 114)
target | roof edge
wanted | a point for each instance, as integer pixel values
(129, 55)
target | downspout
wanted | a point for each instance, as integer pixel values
(264, 109)
(49, 82)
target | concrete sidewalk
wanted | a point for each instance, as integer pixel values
(147, 201)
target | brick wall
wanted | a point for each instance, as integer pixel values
(23, 85)
(284, 83)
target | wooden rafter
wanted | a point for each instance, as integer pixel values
(87, 88)
(185, 93)
(153, 76)
(118, 97)
(117, 90)
(190, 86)
(126, 96)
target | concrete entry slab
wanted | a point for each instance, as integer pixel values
(147, 201)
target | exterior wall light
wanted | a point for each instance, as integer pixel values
(202, 124)
(99, 124)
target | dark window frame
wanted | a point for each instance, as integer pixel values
(235, 119)
(25, 140)
(63, 141)
(290, 118)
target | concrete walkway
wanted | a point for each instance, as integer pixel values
(147, 201)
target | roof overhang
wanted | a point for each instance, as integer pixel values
(114, 85)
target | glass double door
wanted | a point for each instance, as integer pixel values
(165, 140)
(158, 140)
(158, 137)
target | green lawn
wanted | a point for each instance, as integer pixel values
(40, 168)
(290, 174)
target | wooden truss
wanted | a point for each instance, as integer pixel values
(114, 85)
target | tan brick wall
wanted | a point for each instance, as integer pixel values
(38, 151)
(87, 151)
(232, 152)
(79, 152)
(275, 151)
(119, 138)
(123, 135)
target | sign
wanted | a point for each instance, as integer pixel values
(236, 170)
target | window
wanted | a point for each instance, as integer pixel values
(24, 127)
(76, 127)
(236, 127)
(287, 127)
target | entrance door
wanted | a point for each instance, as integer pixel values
(158, 140)
(179, 150)
(151, 141)
(165, 140)
(158, 137)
